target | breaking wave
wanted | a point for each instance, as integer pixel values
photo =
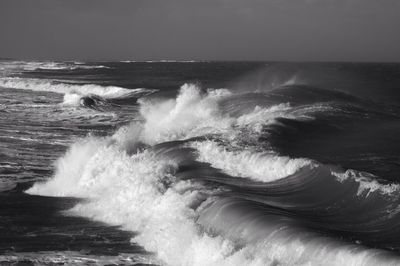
(86, 95)
(63, 88)
(206, 179)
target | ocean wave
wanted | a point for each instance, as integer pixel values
(196, 181)
(368, 183)
(46, 65)
(192, 113)
(73, 258)
(260, 166)
(109, 92)
(197, 112)
(184, 221)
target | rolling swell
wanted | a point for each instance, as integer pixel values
(339, 130)
(208, 179)
(91, 96)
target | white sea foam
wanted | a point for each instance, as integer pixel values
(192, 113)
(260, 117)
(140, 191)
(46, 65)
(72, 99)
(260, 166)
(367, 182)
(130, 190)
(64, 88)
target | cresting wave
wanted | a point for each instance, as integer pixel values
(202, 183)
(87, 95)
(64, 88)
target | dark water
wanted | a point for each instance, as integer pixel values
(200, 163)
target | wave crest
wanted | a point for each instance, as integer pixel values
(65, 88)
(201, 188)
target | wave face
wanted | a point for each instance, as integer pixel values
(65, 88)
(283, 173)
(91, 96)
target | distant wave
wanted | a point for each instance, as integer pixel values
(203, 183)
(89, 101)
(91, 96)
(63, 88)
(46, 65)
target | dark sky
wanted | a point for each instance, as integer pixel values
(289, 30)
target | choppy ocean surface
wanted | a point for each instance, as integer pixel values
(199, 163)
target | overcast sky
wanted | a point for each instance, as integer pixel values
(288, 30)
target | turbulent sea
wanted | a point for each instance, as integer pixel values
(199, 163)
